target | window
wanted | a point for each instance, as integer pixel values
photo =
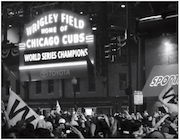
(38, 87)
(122, 81)
(50, 86)
(91, 83)
(17, 87)
(7, 87)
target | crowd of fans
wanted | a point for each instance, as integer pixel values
(99, 125)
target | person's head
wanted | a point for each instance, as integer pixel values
(13, 132)
(74, 117)
(165, 129)
(41, 123)
(145, 114)
(173, 116)
(30, 126)
(52, 113)
(21, 124)
(128, 117)
(67, 116)
(156, 135)
(49, 126)
(27, 133)
(150, 118)
(136, 126)
(12, 135)
(42, 133)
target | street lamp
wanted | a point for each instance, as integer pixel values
(74, 82)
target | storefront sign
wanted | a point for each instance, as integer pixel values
(159, 77)
(163, 80)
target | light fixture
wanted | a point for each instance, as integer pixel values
(168, 47)
(123, 5)
(94, 28)
(11, 13)
(74, 81)
(167, 43)
(158, 17)
(65, 64)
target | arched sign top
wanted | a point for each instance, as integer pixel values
(57, 28)
(56, 44)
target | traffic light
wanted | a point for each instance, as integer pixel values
(111, 50)
(107, 51)
(114, 48)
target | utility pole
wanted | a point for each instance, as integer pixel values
(129, 59)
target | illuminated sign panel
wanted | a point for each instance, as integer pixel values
(56, 37)
(54, 55)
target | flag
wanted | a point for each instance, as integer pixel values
(18, 110)
(169, 99)
(58, 108)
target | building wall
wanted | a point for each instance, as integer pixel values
(154, 55)
(44, 90)
(113, 80)
(157, 53)
(58, 89)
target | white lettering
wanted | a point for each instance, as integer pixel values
(49, 55)
(56, 40)
(48, 19)
(63, 17)
(73, 38)
(59, 72)
(28, 43)
(55, 17)
(82, 37)
(72, 21)
(64, 39)
(32, 57)
(28, 31)
(72, 53)
(163, 80)
(81, 24)
(49, 30)
(42, 42)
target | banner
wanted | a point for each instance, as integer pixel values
(169, 98)
(18, 110)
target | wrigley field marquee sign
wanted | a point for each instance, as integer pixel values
(57, 44)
